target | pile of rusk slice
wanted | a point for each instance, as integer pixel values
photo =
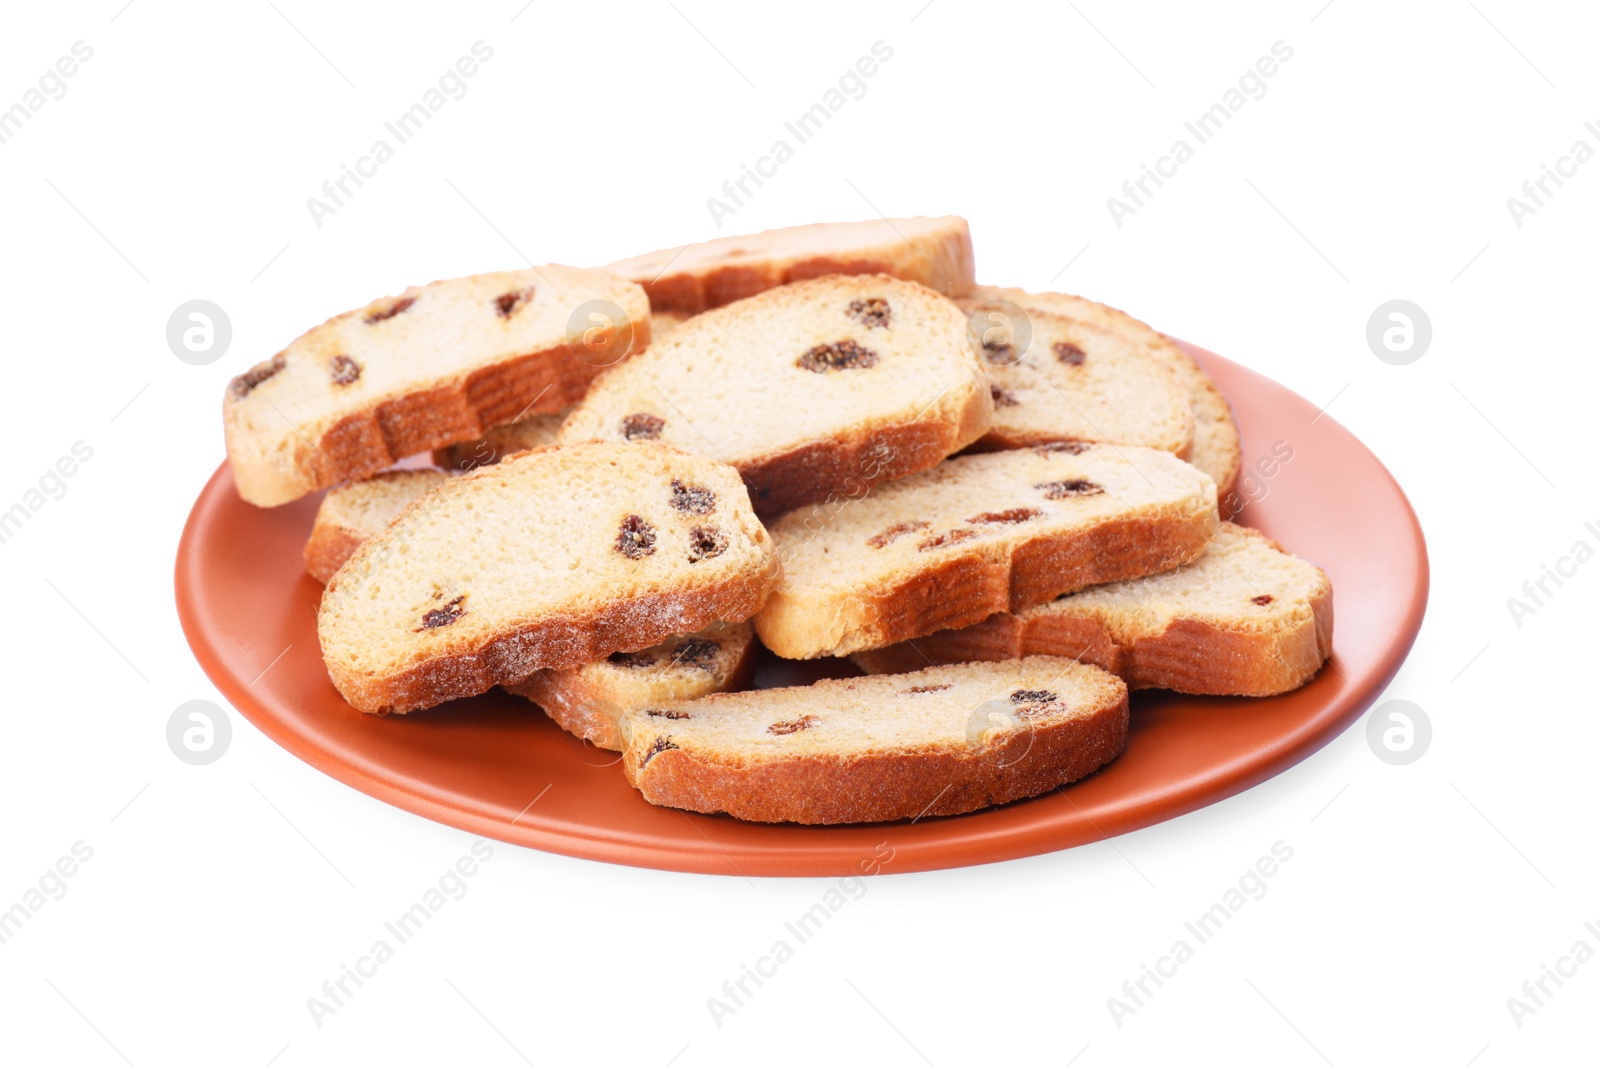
(1001, 505)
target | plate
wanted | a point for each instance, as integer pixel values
(496, 766)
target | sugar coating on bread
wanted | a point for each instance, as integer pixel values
(935, 252)
(587, 701)
(939, 741)
(532, 431)
(1245, 618)
(978, 534)
(350, 514)
(1216, 447)
(552, 558)
(437, 364)
(1077, 382)
(819, 388)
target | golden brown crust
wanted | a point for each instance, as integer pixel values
(943, 263)
(901, 785)
(328, 547)
(1188, 655)
(559, 642)
(847, 467)
(588, 711)
(968, 587)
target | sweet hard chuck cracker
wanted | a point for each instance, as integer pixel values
(435, 365)
(554, 558)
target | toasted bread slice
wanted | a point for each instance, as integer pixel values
(1216, 436)
(817, 389)
(1077, 382)
(437, 364)
(694, 278)
(940, 741)
(1244, 619)
(533, 431)
(588, 700)
(351, 514)
(552, 558)
(997, 531)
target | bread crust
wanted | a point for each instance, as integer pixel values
(942, 260)
(328, 547)
(1188, 655)
(818, 790)
(969, 586)
(560, 643)
(587, 710)
(849, 466)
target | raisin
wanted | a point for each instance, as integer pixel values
(841, 355)
(1263, 600)
(444, 616)
(706, 542)
(793, 726)
(1068, 353)
(241, 386)
(1003, 399)
(693, 499)
(343, 370)
(895, 532)
(1008, 516)
(1070, 487)
(1033, 696)
(634, 660)
(872, 312)
(928, 688)
(698, 652)
(642, 426)
(508, 304)
(658, 746)
(998, 353)
(1071, 448)
(636, 538)
(673, 715)
(389, 311)
(952, 538)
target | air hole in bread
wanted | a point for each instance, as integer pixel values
(928, 688)
(1071, 448)
(840, 355)
(895, 532)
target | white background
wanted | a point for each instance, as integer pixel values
(1377, 166)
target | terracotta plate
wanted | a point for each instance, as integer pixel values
(494, 765)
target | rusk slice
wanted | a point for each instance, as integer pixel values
(588, 700)
(693, 278)
(533, 431)
(817, 389)
(996, 531)
(1077, 382)
(940, 741)
(1216, 436)
(552, 558)
(351, 514)
(437, 364)
(1244, 619)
